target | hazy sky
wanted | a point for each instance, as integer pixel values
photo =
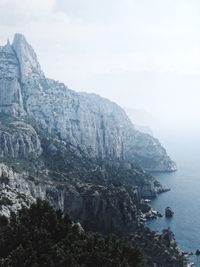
(139, 53)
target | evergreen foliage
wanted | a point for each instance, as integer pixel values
(40, 236)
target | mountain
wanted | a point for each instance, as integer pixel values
(79, 151)
(52, 239)
(61, 138)
(98, 126)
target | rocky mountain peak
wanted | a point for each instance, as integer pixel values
(11, 102)
(29, 65)
(18, 37)
(96, 125)
(7, 48)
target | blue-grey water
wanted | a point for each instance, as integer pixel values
(184, 197)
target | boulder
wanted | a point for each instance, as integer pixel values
(169, 212)
(197, 252)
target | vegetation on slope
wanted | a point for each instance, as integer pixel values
(40, 236)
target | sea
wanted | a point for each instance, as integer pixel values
(184, 197)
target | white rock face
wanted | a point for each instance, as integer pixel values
(11, 186)
(90, 122)
(113, 208)
(96, 125)
(10, 90)
(19, 140)
(29, 66)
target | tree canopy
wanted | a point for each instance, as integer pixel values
(40, 236)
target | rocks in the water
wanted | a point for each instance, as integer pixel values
(147, 213)
(168, 237)
(161, 247)
(147, 190)
(187, 254)
(160, 189)
(197, 252)
(152, 214)
(159, 214)
(169, 212)
(163, 190)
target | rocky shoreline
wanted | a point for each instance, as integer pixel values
(161, 248)
(152, 214)
(81, 153)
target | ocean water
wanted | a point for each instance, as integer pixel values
(184, 197)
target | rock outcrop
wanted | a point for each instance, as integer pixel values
(162, 249)
(169, 212)
(79, 151)
(96, 125)
(29, 66)
(18, 140)
(11, 102)
(99, 208)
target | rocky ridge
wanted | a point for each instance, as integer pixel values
(100, 127)
(99, 207)
(78, 150)
(104, 209)
(19, 140)
(66, 139)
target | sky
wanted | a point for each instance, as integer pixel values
(141, 54)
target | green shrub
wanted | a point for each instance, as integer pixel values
(40, 236)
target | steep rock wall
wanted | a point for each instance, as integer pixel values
(98, 126)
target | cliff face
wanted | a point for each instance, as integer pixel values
(10, 90)
(96, 125)
(18, 140)
(103, 196)
(148, 153)
(100, 127)
(98, 207)
(78, 150)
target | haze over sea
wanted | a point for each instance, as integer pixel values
(184, 197)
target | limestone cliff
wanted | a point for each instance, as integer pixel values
(99, 208)
(79, 151)
(10, 89)
(98, 126)
(18, 140)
